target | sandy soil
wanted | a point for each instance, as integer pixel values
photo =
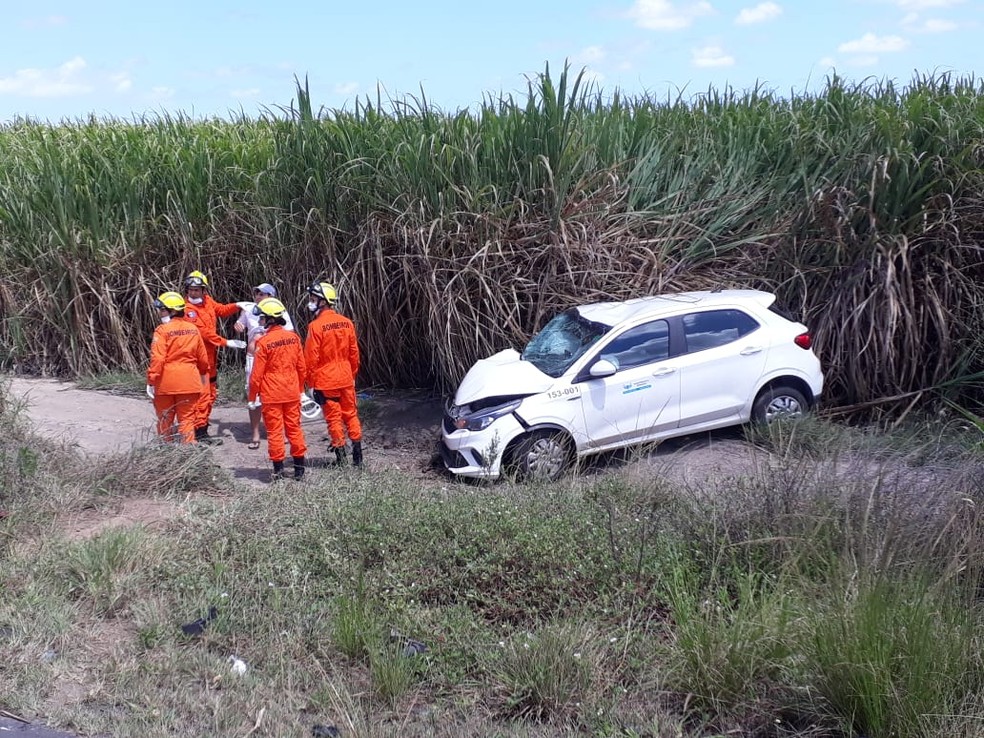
(400, 430)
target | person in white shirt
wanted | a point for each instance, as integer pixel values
(249, 324)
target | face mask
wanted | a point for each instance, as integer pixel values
(313, 306)
(196, 300)
(165, 318)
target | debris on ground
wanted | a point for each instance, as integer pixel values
(197, 627)
(409, 646)
(237, 665)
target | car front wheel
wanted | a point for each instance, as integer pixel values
(542, 456)
(779, 402)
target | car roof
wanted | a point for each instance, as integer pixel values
(652, 306)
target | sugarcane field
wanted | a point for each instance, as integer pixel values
(566, 415)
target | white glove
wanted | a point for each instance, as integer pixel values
(235, 343)
(150, 391)
(254, 404)
(309, 408)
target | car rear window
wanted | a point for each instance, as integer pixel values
(716, 328)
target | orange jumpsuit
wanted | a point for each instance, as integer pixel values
(204, 316)
(278, 378)
(178, 361)
(331, 352)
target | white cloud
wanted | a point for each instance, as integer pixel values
(663, 15)
(161, 93)
(588, 55)
(346, 88)
(926, 4)
(591, 77)
(63, 81)
(865, 60)
(49, 21)
(914, 23)
(869, 43)
(759, 14)
(249, 92)
(121, 82)
(584, 62)
(227, 72)
(71, 79)
(712, 56)
(938, 25)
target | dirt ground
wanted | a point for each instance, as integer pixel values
(399, 430)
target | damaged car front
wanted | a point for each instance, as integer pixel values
(510, 396)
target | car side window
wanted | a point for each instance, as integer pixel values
(643, 344)
(716, 328)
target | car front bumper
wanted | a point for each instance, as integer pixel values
(478, 454)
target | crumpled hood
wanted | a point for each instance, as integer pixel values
(501, 375)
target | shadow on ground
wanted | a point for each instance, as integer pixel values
(12, 727)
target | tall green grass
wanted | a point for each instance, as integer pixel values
(454, 234)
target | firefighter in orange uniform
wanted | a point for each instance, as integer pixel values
(276, 384)
(203, 311)
(331, 351)
(178, 368)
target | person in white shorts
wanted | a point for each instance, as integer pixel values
(250, 324)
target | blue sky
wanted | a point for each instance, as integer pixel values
(67, 59)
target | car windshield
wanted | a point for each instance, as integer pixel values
(562, 341)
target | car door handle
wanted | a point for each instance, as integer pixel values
(664, 370)
(751, 350)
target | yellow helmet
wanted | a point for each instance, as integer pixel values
(196, 279)
(270, 307)
(323, 290)
(170, 301)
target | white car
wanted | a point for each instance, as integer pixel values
(612, 374)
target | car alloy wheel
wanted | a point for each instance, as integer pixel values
(779, 402)
(542, 456)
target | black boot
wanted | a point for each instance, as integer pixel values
(356, 453)
(278, 471)
(298, 468)
(202, 436)
(341, 456)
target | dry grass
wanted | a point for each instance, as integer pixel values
(608, 605)
(453, 235)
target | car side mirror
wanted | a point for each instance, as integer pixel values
(602, 368)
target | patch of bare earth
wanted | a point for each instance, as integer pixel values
(400, 432)
(147, 513)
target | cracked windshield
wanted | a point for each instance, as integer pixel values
(561, 342)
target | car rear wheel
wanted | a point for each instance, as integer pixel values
(779, 402)
(542, 456)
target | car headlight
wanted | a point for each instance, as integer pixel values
(484, 418)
